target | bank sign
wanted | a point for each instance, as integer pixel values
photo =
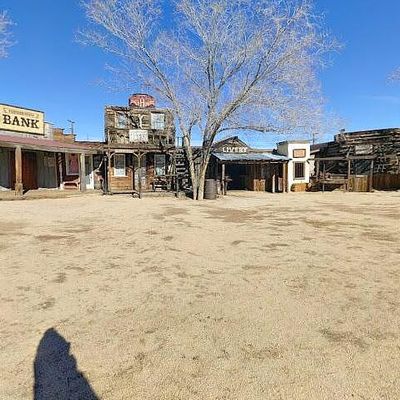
(22, 120)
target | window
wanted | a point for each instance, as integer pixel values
(119, 165)
(299, 153)
(121, 121)
(299, 170)
(157, 121)
(159, 164)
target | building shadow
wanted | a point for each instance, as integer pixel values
(56, 374)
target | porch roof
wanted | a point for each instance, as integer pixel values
(250, 157)
(41, 144)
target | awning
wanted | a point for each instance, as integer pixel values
(250, 157)
(40, 144)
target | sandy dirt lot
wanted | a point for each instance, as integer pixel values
(254, 296)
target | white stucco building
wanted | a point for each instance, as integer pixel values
(298, 167)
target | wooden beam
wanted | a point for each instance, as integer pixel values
(82, 172)
(60, 169)
(323, 176)
(50, 149)
(273, 189)
(344, 158)
(371, 176)
(348, 175)
(140, 174)
(223, 179)
(19, 187)
(108, 172)
(285, 178)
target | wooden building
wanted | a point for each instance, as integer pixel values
(359, 161)
(237, 166)
(140, 147)
(35, 155)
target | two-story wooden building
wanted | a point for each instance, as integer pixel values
(139, 146)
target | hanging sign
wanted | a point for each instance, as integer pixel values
(232, 149)
(22, 120)
(138, 136)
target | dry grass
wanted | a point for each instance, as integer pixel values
(253, 296)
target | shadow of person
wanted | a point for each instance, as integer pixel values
(56, 373)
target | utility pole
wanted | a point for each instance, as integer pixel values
(314, 137)
(72, 125)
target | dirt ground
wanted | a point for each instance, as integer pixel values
(254, 296)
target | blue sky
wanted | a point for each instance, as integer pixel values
(49, 71)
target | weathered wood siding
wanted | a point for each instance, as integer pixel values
(384, 144)
(386, 182)
(138, 118)
(5, 168)
(123, 183)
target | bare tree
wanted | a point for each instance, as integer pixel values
(395, 75)
(5, 41)
(220, 65)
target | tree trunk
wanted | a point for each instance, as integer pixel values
(192, 167)
(202, 176)
(198, 175)
(195, 185)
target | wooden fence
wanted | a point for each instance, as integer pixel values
(386, 182)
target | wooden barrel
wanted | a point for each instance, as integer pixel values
(210, 189)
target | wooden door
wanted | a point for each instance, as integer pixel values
(29, 170)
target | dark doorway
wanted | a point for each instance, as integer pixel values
(29, 170)
(236, 173)
(56, 372)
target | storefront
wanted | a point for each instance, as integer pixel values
(236, 166)
(31, 158)
(140, 147)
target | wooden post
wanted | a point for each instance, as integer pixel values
(285, 178)
(140, 174)
(348, 175)
(223, 180)
(371, 176)
(105, 177)
(323, 176)
(317, 170)
(82, 172)
(19, 187)
(176, 177)
(60, 169)
(273, 189)
(108, 172)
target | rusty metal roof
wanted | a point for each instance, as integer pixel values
(250, 157)
(44, 144)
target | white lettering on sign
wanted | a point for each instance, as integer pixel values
(231, 149)
(138, 136)
(363, 149)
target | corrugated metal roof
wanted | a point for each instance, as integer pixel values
(248, 157)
